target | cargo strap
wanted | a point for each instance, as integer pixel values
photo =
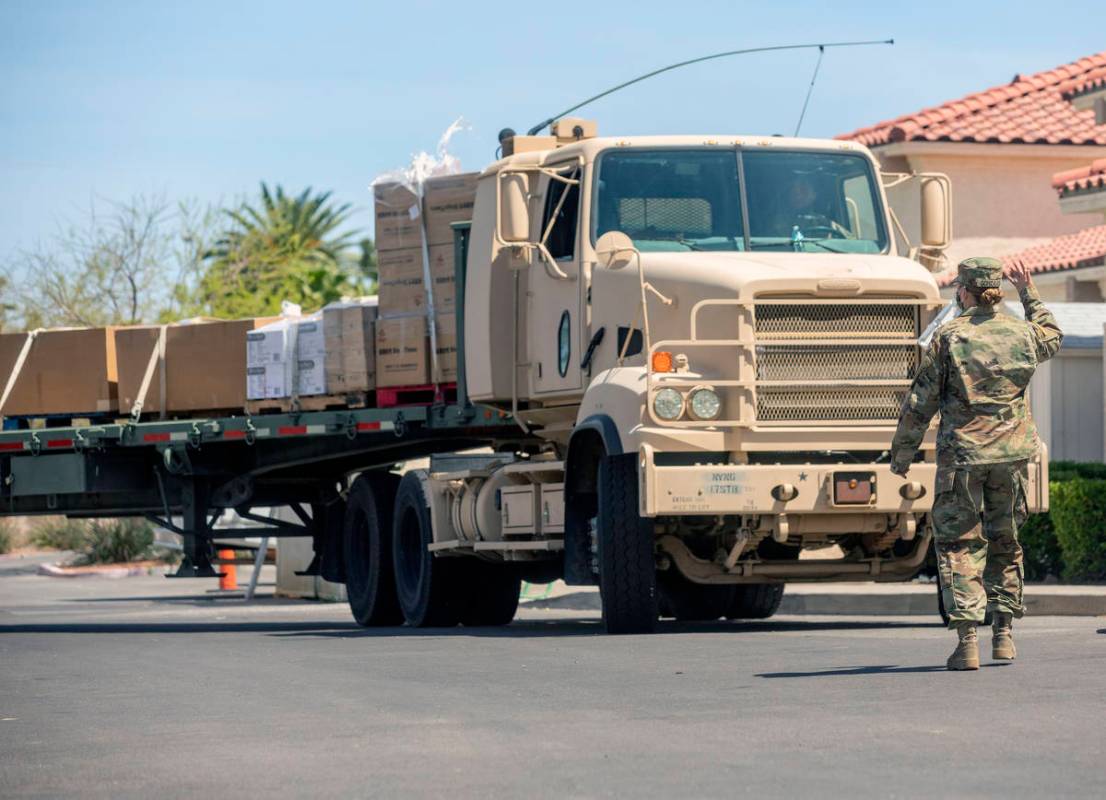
(23, 353)
(292, 359)
(157, 358)
(428, 283)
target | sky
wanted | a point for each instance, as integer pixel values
(203, 100)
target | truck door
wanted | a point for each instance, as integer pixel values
(554, 302)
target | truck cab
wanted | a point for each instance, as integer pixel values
(712, 337)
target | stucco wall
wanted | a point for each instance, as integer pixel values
(1001, 203)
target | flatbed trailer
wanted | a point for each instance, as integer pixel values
(193, 469)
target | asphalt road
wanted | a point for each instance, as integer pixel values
(145, 687)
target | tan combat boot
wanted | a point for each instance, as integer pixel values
(1002, 639)
(966, 654)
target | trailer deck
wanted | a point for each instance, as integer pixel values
(193, 469)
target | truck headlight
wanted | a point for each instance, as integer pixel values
(705, 404)
(668, 404)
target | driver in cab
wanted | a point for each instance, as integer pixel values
(800, 215)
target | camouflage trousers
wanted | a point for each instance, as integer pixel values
(977, 510)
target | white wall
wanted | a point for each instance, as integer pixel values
(1067, 403)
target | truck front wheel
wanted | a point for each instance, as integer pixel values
(367, 543)
(627, 568)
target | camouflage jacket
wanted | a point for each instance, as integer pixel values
(975, 373)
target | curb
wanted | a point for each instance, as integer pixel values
(56, 571)
(875, 605)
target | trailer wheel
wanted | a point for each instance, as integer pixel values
(688, 601)
(492, 594)
(755, 601)
(426, 586)
(367, 543)
(627, 568)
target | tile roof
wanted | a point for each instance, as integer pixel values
(1092, 81)
(1087, 248)
(1028, 110)
(1089, 178)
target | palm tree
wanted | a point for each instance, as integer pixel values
(285, 248)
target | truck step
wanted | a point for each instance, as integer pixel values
(429, 394)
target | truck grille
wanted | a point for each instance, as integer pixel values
(806, 360)
(854, 320)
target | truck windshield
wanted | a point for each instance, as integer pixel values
(690, 199)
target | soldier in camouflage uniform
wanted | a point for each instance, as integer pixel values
(975, 373)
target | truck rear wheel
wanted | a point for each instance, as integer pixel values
(755, 601)
(367, 543)
(426, 586)
(688, 601)
(491, 596)
(627, 568)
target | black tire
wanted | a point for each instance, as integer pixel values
(755, 601)
(491, 592)
(988, 617)
(627, 568)
(426, 586)
(367, 546)
(692, 602)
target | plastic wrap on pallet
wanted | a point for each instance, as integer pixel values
(402, 225)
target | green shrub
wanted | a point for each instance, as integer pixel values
(1066, 470)
(7, 537)
(116, 541)
(60, 533)
(1078, 511)
(1041, 551)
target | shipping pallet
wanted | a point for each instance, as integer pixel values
(41, 422)
(316, 402)
(178, 416)
(426, 395)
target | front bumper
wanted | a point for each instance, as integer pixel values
(748, 489)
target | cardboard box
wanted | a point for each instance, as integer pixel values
(67, 371)
(272, 351)
(446, 200)
(400, 217)
(205, 365)
(401, 351)
(350, 330)
(397, 214)
(401, 284)
(445, 333)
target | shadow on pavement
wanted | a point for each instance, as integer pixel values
(881, 669)
(518, 629)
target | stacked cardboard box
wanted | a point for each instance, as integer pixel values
(400, 224)
(290, 349)
(66, 371)
(205, 365)
(349, 329)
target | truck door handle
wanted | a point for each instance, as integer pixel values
(596, 339)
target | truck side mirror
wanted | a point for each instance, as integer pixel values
(614, 250)
(514, 211)
(936, 211)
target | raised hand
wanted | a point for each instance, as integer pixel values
(1018, 273)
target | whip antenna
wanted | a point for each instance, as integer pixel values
(810, 89)
(820, 45)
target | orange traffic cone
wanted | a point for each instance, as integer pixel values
(230, 571)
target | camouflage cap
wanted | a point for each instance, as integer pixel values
(980, 272)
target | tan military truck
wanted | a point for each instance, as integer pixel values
(680, 364)
(709, 338)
